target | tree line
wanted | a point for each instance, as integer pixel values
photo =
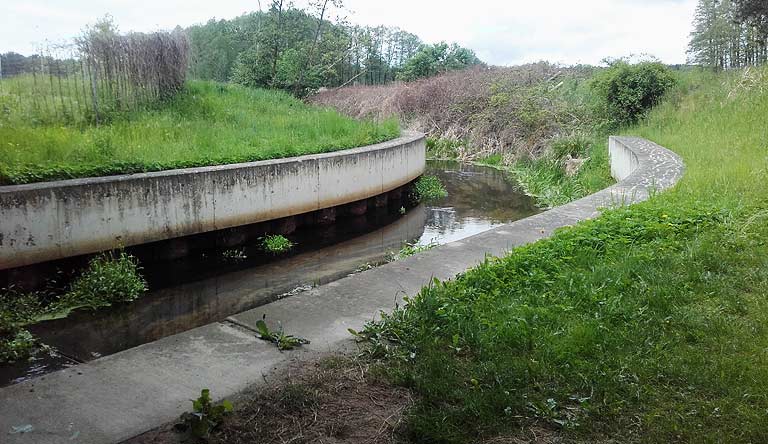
(730, 33)
(304, 49)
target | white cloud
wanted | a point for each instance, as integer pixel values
(501, 32)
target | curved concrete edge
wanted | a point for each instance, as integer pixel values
(54, 220)
(123, 395)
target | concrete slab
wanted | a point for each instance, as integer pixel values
(117, 397)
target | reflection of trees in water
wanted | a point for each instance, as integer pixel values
(478, 192)
(442, 220)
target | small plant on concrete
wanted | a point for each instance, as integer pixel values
(429, 188)
(409, 249)
(276, 243)
(205, 415)
(279, 338)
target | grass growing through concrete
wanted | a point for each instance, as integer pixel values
(207, 124)
(645, 325)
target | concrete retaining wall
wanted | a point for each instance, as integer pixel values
(53, 220)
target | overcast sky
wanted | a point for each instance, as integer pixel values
(501, 32)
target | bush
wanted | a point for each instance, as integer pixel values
(628, 90)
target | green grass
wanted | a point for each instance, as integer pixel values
(207, 124)
(649, 324)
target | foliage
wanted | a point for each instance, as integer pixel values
(481, 111)
(207, 124)
(109, 279)
(431, 60)
(630, 90)
(429, 188)
(276, 243)
(647, 323)
(279, 338)
(297, 49)
(729, 33)
(206, 416)
(16, 346)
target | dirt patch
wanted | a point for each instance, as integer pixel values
(332, 400)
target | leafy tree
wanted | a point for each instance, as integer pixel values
(434, 59)
(729, 33)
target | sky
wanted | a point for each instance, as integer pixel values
(500, 32)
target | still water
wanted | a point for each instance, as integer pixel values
(199, 290)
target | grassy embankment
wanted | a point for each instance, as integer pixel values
(649, 324)
(206, 124)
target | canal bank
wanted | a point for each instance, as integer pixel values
(120, 396)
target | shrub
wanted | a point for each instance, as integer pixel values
(628, 90)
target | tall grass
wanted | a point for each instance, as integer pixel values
(645, 325)
(89, 81)
(206, 124)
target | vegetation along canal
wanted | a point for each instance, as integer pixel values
(200, 289)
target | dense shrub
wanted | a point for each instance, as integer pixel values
(513, 111)
(629, 90)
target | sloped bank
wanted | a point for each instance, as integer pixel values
(54, 220)
(123, 395)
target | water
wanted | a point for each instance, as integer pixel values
(199, 290)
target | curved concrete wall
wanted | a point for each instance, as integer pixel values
(54, 220)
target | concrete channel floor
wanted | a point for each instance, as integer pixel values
(123, 395)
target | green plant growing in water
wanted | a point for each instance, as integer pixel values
(234, 255)
(276, 244)
(279, 338)
(429, 188)
(206, 416)
(109, 279)
(409, 249)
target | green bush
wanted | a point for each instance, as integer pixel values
(629, 90)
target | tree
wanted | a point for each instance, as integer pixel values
(435, 59)
(729, 33)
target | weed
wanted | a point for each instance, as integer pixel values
(282, 340)
(234, 255)
(276, 244)
(205, 416)
(409, 249)
(109, 279)
(429, 188)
